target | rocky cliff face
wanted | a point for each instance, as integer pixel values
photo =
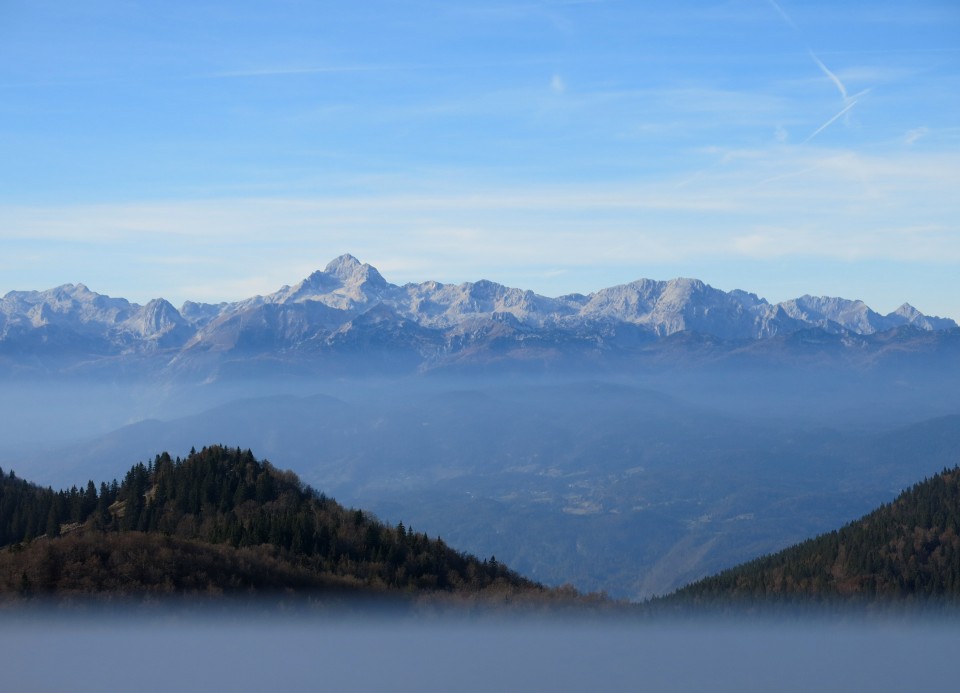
(349, 308)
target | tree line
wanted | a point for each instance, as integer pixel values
(906, 549)
(222, 497)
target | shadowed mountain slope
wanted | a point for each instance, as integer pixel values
(221, 521)
(906, 549)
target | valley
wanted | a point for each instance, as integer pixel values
(630, 441)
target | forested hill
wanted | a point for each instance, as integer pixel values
(220, 521)
(907, 549)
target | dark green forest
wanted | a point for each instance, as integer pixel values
(908, 549)
(221, 521)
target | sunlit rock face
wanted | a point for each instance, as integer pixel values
(349, 311)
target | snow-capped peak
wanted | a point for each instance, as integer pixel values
(343, 265)
(332, 298)
(350, 270)
(907, 311)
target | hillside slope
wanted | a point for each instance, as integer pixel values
(907, 549)
(220, 521)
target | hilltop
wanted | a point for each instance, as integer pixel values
(223, 522)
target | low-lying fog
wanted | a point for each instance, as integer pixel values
(247, 651)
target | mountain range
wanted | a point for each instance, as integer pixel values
(348, 309)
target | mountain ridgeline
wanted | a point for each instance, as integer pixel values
(906, 549)
(323, 323)
(220, 521)
(631, 440)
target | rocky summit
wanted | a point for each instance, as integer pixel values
(347, 316)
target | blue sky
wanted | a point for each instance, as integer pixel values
(214, 150)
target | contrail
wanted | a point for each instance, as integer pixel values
(850, 104)
(826, 70)
(783, 14)
(833, 77)
(848, 101)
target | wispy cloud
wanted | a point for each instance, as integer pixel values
(914, 135)
(805, 205)
(724, 211)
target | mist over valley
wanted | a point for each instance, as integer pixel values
(629, 442)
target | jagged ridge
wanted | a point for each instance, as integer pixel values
(349, 307)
